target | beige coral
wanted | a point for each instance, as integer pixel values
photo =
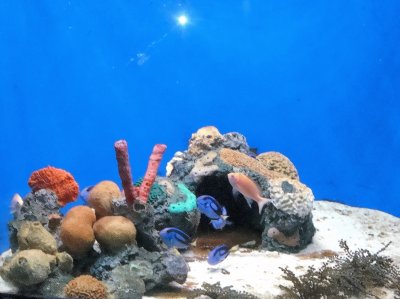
(291, 196)
(101, 196)
(28, 267)
(85, 287)
(240, 160)
(204, 139)
(279, 163)
(32, 235)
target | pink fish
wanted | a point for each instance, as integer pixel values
(16, 203)
(248, 188)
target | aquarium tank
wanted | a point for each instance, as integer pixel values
(166, 101)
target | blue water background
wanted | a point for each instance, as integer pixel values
(316, 80)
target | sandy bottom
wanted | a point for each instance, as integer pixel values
(258, 272)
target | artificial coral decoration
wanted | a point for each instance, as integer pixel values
(124, 169)
(151, 173)
(61, 182)
(131, 192)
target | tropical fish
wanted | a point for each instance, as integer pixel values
(210, 207)
(16, 203)
(248, 188)
(85, 193)
(220, 223)
(219, 253)
(174, 237)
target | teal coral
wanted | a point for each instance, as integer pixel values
(157, 191)
(184, 206)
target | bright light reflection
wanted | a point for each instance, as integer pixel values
(183, 20)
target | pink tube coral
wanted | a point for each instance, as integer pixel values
(124, 169)
(151, 173)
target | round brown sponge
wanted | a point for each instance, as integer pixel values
(77, 230)
(101, 196)
(113, 232)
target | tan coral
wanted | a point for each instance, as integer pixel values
(32, 235)
(114, 232)
(65, 262)
(101, 196)
(85, 287)
(279, 163)
(240, 160)
(28, 267)
(77, 230)
(291, 196)
(204, 139)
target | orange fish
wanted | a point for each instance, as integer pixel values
(248, 188)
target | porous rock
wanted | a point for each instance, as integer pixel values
(32, 235)
(156, 269)
(28, 267)
(206, 173)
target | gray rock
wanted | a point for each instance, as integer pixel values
(154, 268)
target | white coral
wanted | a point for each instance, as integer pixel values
(291, 196)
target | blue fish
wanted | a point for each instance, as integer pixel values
(218, 254)
(210, 207)
(220, 223)
(173, 237)
(84, 194)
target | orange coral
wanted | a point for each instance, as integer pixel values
(61, 182)
(85, 287)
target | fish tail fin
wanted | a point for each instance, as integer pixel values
(262, 202)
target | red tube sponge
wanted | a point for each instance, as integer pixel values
(151, 173)
(124, 169)
(61, 182)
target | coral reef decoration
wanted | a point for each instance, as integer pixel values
(77, 230)
(28, 267)
(124, 169)
(279, 163)
(151, 173)
(184, 206)
(85, 287)
(114, 232)
(101, 196)
(61, 182)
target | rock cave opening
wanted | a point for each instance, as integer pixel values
(245, 221)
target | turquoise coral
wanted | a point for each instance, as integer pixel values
(184, 206)
(157, 191)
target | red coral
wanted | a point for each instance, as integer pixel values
(61, 182)
(124, 170)
(151, 172)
